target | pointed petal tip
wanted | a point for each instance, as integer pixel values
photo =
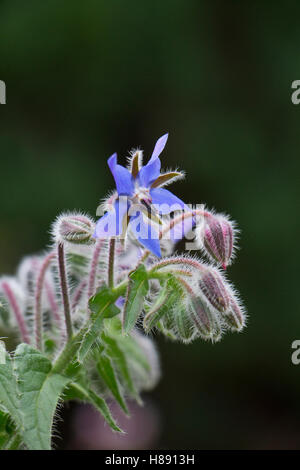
(159, 146)
(112, 159)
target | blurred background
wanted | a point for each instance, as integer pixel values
(86, 79)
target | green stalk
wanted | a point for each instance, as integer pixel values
(111, 262)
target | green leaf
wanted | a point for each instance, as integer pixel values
(102, 306)
(119, 358)
(169, 297)
(5, 431)
(39, 391)
(107, 374)
(137, 290)
(128, 344)
(8, 390)
(87, 395)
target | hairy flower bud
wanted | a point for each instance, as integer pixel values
(214, 289)
(74, 228)
(235, 316)
(205, 320)
(217, 237)
(185, 327)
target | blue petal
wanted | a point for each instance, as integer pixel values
(159, 146)
(145, 233)
(151, 171)
(166, 201)
(110, 225)
(120, 302)
(122, 176)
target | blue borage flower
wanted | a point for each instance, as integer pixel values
(141, 199)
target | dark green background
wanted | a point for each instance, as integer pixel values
(85, 79)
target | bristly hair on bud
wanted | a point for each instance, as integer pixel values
(73, 227)
(217, 238)
(235, 318)
(214, 289)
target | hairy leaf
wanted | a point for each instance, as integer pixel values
(39, 392)
(137, 290)
(29, 392)
(107, 374)
(8, 390)
(89, 396)
(102, 306)
(117, 355)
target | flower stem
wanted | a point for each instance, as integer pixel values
(38, 314)
(182, 261)
(53, 303)
(16, 309)
(64, 289)
(93, 268)
(78, 294)
(67, 354)
(111, 262)
(181, 218)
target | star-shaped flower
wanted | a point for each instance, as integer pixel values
(140, 199)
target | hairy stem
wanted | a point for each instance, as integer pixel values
(181, 218)
(111, 262)
(93, 268)
(67, 354)
(53, 303)
(78, 294)
(182, 260)
(16, 309)
(64, 290)
(38, 314)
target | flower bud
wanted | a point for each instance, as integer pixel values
(214, 289)
(185, 327)
(217, 238)
(206, 321)
(166, 326)
(74, 228)
(235, 317)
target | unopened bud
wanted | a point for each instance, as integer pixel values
(185, 327)
(217, 237)
(235, 317)
(74, 228)
(214, 289)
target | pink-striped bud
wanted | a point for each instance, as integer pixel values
(217, 237)
(235, 316)
(74, 228)
(214, 289)
(205, 320)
